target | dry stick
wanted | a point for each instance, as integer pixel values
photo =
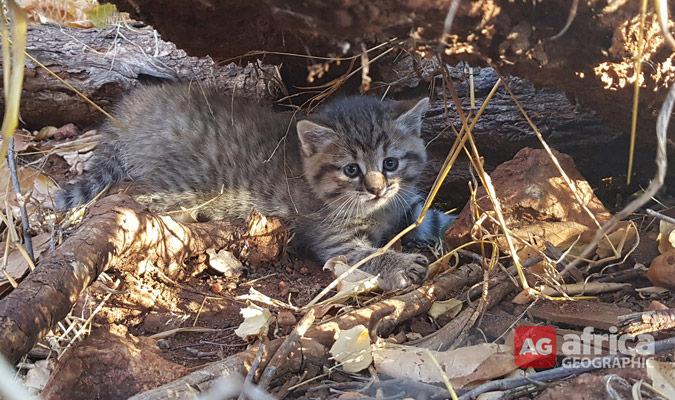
(557, 373)
(636, 88)
(482, 302)
(651, 321)
(660, 216)
(487, 183)
(406, 307)
(19, 198)
(568, 23)
(447, 165)
(443, 338)
(654, 186)
(289, 344)
(13, 71)
(662, 11)
(252, 370)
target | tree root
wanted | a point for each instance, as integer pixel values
(116, 232)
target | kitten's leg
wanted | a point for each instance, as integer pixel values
(433, 225)
(396, 270)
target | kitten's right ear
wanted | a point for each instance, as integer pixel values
(313, 137)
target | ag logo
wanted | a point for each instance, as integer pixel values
(534, 346)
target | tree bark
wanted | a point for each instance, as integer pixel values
(105, 63)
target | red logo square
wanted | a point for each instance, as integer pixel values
(534, 346)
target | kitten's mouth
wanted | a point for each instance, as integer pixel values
(391, 191)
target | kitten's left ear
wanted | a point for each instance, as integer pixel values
(313, 137)
(411, 120)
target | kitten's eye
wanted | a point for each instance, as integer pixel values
(351, 170)
(390, 164)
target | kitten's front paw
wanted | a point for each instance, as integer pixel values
(403, 270)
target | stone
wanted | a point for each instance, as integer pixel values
(531, 190)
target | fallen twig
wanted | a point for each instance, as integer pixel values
(253, 369)
(652, 321)
(443, 338)
(284, 350)
(19, 198)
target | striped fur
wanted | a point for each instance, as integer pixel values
(192, 147)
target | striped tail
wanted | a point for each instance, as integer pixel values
(105, 169)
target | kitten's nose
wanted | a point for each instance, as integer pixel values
(376, 183)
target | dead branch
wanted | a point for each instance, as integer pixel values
(443, 338)
(116, 232)
(647, 322)
(399, 308)
(284, 350)
(304, 353)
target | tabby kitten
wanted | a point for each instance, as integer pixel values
(343, 180)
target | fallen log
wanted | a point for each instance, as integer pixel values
(116, 231)
(105, 63)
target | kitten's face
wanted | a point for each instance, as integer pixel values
(361, 154)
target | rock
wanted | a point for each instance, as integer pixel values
(662, 270)
(97, 367)
(531, 190)
(286, 318)
(66, 131)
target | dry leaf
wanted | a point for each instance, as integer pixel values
(256, 321)
(35, 187)
(47, 132)
(623, 238)
(38, 375)
(666, 237)
(17, 265)
(225, 262)
(22, 140)
(449, 308)
(77, 160)
(462, 366)
(556, 233)
(65, 12)
(662, 375)
(352, 349)
(357, 282)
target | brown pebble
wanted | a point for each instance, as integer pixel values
(286, 318)
(231, 285)
(216, 287)
(283, 293)
(66, 131)
(289, 270)
(282, 284)
(304, 270)
(662, 270)
(400, 337)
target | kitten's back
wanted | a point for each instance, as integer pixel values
(182, 144)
